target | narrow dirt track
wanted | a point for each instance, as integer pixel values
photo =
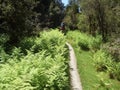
(74, 75)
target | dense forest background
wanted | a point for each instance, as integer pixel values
(25, 17)
(19, 18)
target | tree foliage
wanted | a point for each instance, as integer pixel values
(102, 16)
(50, 13)
(19, 18)
(71, 14)
(16, 18)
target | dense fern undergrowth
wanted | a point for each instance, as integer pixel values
(41, 62)
(37, 63)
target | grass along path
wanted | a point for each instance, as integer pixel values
(90, 78)
(86, 70)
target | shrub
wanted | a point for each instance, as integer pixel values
(114, 49)
(3, 55)
(102, 60)
(83, 40)
(53, 42)
(83, 24)
(3, 39)
(114, 71)
(26, 44)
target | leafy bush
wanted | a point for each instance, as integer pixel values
(3, 39)
(82, 23)
(3, 55)
(114, 70)
(83, 40)
(113, 48)
(104, 62)
(16, 53)
(53, 42)
(27, 44)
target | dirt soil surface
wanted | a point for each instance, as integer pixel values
(74, 75)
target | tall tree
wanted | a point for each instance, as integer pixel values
(101, 15)
(56, 12)
(71, 14)
(19, 18)
(50, 13)
(16, 18)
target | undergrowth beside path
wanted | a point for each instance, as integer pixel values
(91, 78)
(38, 63)
(86, 70)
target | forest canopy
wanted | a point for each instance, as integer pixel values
(23, 17)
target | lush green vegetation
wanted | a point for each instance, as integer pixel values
(84, 41)
(94, 16)
(42, 65)
(98, 69)
(33, 59)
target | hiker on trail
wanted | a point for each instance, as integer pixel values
(62, 26)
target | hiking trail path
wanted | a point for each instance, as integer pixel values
(74, 75)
